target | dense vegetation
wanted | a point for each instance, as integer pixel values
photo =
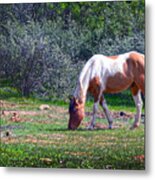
(43, 46)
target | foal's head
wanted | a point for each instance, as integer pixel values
(76, 111)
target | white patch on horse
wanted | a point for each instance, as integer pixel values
(116, 67)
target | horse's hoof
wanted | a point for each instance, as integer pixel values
(110, 126)
(134, 126)
(90, 127)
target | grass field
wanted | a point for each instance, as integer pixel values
(31, 137)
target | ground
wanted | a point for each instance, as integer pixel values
(33, 137)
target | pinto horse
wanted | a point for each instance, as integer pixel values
(108, 74)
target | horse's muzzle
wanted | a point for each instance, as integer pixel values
(71, 127)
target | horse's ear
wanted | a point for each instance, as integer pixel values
(78, 101)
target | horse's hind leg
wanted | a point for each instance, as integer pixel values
(106, 111)
(136, 93)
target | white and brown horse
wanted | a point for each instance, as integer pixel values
(112, 74)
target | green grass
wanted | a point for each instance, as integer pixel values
(43, 140)
(96, 149)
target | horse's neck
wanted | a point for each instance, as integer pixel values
(80, 93)
(82, 87)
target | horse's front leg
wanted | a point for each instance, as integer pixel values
(106, 111)
(92, 122)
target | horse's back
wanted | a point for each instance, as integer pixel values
(117, 73)
(137, 57)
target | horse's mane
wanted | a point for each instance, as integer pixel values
(84, 78)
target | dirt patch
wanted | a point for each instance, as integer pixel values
(103, 126)
(59, 110)
(19, 119)
(18, 116)
(32, 113)
(5, 104)
(114, 114)
(54, 112)
(33, 121)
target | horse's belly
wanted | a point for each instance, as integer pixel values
(117, 83)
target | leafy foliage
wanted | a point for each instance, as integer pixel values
(44, 46)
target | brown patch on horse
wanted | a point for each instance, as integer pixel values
(137, 66)
(128, 68)
(94, 87)
(117, 83)
(132, 75)
(134, 89)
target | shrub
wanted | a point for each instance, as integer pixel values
(43, 57)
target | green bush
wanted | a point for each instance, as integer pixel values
(42, 55)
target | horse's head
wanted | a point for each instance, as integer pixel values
(76, 111)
